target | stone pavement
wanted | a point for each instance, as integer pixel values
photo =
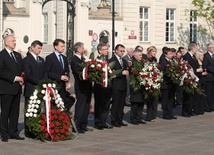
(184, 136)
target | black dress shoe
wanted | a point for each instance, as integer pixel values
(99, 127)
(135, 123)
(78, 130)
(173, 117)
(167, 118)
(122, 124)
(208, 110)
(107, 126)
(86, 129)
(17, 137)
(116, 125)
(142, 122)
(185, 115)
(4, 139)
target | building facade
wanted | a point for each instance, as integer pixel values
(137, 22)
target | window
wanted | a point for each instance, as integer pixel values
(170, 25)
(193, 26)
(144, 24)
(45, 27)
(9, 1)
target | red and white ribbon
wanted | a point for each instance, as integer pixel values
(49, 91)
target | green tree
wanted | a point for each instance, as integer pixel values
(205, 10)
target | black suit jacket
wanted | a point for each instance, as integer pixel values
(166, 83)
(208, 64)
(9, 69)
(81, 86)
(54, 70)
(119, 83)
(34, 73)
(193, 63)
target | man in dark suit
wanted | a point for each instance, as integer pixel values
(208, 64)
(136, 97)
(34, 69)
(83, 90)
(128, 58)
(167, 87)
(56, 68)
(11, 67)
(144, 56)
(119, 86)
(189, 100)
(102, 96)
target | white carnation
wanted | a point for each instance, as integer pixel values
(34, 115)
(56, 91)
(33, 105)
(31, 114)
(37, 106)
(44, 85)
(28, 110)
(54, 85)
(27, 115)
(99, 65)
(43, 91)
(30, 101)
(49, 85)
(92, 66)
(38, 101)
(110, 71)
(35, 111)
(31, 97)
(44, 98)
(104, 69)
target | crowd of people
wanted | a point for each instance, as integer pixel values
(111, 99)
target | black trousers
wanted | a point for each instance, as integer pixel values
(209, 89)
(151, 109)
(102, 104)
(188, 103)
(118, 102)
(10, 105)
(82, 107)
(136, 112)
(167, 102)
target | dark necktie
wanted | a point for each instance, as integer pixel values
(37, 59)
(121, 62)
(12, 56)
(60, 60)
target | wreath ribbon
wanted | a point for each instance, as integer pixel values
(49, 91)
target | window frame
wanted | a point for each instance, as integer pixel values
(169, 21)
(143, 20)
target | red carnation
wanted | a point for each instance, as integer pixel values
(155, 74)
(43, 116)
(58, 111)
(56, 138)
(57, 131)
(61, 117)
(51, 132)
(150, 91)
(52, 111)
(136, 72)
(62, 131)
(62, 137)
(51, 125)
(46, 135)
(57, 124)
(42, 128)
(147, 85)
(42, 122)
(66, 133)
(98, 68)
(63, 114)
(144, 76)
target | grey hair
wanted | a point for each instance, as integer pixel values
(209, 44)
(77, 45)
(137, 51)
(191, 46)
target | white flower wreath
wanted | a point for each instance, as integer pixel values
(35, 101)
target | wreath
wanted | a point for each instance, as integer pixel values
(46, 116)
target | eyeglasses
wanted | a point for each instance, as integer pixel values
(122, 50)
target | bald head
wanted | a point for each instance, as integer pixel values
(10, 42)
